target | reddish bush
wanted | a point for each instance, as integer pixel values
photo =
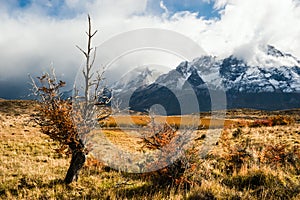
(261, 122)
(273, 121)
(160, 137)
(281, 120)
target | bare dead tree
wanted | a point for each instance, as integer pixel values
(92, 81)
(68, 122)
(90, 60)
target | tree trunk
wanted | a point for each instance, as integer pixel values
(77, 162)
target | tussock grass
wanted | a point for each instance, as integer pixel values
(247, 163)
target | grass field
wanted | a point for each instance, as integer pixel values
(247, 162)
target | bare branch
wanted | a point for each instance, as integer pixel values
(94, 57)
(86, 55)
(94, 33)
(84, 74)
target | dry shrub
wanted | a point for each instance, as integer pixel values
(282, 120)
(237, 132)
(61, 122)
(273, 121)
(55, 116)
(235, 157)
(261, 123)
(177, 173)
(276, 153)
(281, 155)
(158, 137)
(91, 161)
(242, 123)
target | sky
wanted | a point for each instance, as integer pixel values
(37, 34)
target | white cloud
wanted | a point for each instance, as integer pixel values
(162, 6)
(73, 3)
(255, 22)
(31, 39)
(218, 4)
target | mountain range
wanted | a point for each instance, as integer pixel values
(271, 81)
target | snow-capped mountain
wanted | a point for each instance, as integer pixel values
(141, 76)
(269, 56)
(271, 82)
(233, 74)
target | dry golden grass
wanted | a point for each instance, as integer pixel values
(246, 162)
(177, 121)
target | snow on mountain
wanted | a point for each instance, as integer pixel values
(273, 82)
(138, 77)
(232, 74)
(269, 56)
(273, 71)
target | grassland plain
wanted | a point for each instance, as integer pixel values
(256, 157)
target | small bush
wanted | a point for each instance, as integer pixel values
(236, 133)
(275, 153)
(55, 116)
(281, 120)
(261, 123)
(280, 154)
(179, 174)
(273, 121)
(160, 136)
(234, 157)
(242, 123)
(111, 124)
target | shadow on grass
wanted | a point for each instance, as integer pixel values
(27, 183)
(258, 182)
(141, 191)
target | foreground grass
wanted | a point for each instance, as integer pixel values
(246, 163)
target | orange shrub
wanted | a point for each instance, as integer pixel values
(261, 122)
(273, 121)
(281, 120)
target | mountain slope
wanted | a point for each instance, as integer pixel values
(271, 84)
(140, 77)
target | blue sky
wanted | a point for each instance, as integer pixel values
(204, 9)
(57, 8)
(53, 8)
(24, 3)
